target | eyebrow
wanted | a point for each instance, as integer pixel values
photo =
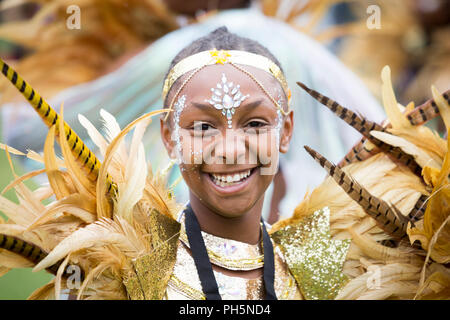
(207, 106)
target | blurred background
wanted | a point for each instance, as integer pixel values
(65, 46)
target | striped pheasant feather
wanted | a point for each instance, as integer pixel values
(85, 157)
(427, 111)
(420, 115)
(364, 126)
(31, 252)
(387, 217)
(358, 152)
(419, 209)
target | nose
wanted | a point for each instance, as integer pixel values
(231, 148)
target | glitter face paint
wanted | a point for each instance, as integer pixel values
(279, 122)
(198, 143)
(179, 105)
(198, 147)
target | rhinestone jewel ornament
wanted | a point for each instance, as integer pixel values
(226, 97)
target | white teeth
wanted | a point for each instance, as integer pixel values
(225, 180)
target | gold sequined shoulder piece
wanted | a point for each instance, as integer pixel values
(152, 270)
(315, 260)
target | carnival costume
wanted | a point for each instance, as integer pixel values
(383, 209)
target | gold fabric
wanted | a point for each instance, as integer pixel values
(308, 263)
(314, 259)
(152, 271)
(229, 254)
(185, 283)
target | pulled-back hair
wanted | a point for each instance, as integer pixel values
(221, 39)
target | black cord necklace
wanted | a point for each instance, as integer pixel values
(204, 267)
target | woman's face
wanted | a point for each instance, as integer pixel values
(227, 133)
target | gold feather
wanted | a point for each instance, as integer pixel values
(3, 271)
(24, 194)
(11, 150)
(112, 130)
(435, 217)
(376, 251)
(45, 292)
(58, 277)
(131, 190)
(78, 176)
(93, 133)
(396, 118)
(11, 260)
(103, 207)
(417, 116)
(420, 156)
(51, 167)
(100, 233)
(390, 278)
(21, 179)
(443, 106)
(75, 204)
(85, 158)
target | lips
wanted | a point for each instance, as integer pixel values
(229, 179)
(231, 182)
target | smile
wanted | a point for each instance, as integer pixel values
(231, 180)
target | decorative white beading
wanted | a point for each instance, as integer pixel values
(227, 98)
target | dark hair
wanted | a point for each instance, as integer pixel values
(222, 39)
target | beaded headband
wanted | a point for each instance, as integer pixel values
(199, 60)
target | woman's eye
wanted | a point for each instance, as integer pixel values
(206, 126)
(203, 127)
(255, 124)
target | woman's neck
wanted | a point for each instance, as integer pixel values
(245, 228)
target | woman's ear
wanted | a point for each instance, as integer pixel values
(166, 135)
(288, 129)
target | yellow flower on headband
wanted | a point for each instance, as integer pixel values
(220, 56)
